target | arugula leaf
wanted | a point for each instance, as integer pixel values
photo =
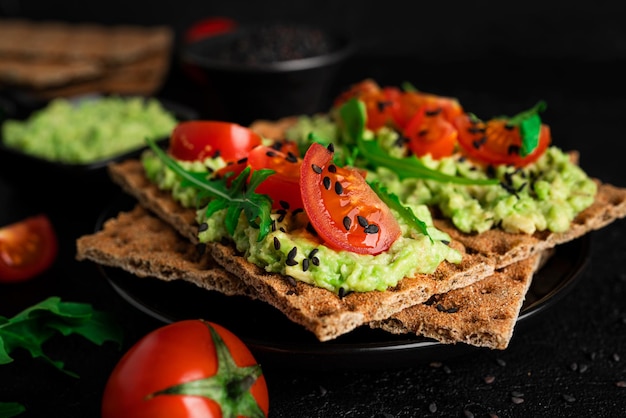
(237, 197)
(393, 201)
(11, 409)
(529, 124)
(37, 324)
(353, 118)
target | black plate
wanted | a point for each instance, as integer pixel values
(19, 164)
(276, 340)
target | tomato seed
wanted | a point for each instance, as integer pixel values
(316, 168)
(332, 168)
(271, 154)
(326, 182)
(291, 157)
(371, 229)
(330, 147)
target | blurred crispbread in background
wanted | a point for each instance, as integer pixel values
(53, 58)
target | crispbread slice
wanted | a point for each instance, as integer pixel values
(318, 310)
(506, 248)
(140, 243)
(483, 314)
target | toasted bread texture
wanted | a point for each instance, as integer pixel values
(318, 310)
(482, 314)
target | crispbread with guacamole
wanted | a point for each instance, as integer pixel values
(482, 314)
(321, 311)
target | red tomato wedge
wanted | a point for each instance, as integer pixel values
(380, 103)
(189, 368)
(201, 139)
(496, 141)
(344, 210)
(283, 187)
(27, 248)
(429, 132)
(411, 101)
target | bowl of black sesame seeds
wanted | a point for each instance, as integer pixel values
(265, 70)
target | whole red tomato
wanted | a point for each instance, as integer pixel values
(190, 368)
(27, 248)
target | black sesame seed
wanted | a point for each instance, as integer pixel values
(433, 112)
(362, 221)
(277, 145)
(479, 142)
(347, 222)
(315, 261)
(330, 147)
(445, 242)
(440, 307)
(513, 150)
(313, 252)
(305, 264)
(281, 229)
(509, 126)
(316, 168)
(203, 227)
(326, 182)
(297, 211)
(291, 262)
(422, 133)
(292, 253)
(338, 188)
(341, 292)
(283, 204)
(273, 225)
(271, 154)
(276, 243)
(291, 157)
(371, 229)
(309, 227)
(332, 168)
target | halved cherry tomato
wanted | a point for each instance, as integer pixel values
(201, 139)
(380, 103)
(189, 368)
(283, 187)
(496, 141)
(430, 133)
(410, 102)
(27, 248)
(344, 210)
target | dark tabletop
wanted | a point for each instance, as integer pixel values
(568, 361)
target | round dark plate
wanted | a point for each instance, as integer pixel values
(275, 339)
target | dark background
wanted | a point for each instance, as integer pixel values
(431, 30)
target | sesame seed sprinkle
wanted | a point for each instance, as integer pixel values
(305, 264)
(326, 182)
(338, 188)
(330, 147)
(203, 227)
(276, 243)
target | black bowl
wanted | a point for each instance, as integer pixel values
(255, 72)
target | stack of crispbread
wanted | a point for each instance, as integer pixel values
(54, 59)
(476, 302)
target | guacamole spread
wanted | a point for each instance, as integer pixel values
(291, 249)
(84, 131)
(545, 195)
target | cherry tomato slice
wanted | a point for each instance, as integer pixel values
(27, 248)
(182, 353)
(496, 141)
(346, 213)
(380, 103)
(411, 101)
(201, 139)
(430, 133)
(283, 187)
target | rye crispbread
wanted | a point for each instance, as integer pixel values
(481, 314)
(320, 311)
(54, 59)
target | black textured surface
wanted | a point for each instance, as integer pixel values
(568, 362)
